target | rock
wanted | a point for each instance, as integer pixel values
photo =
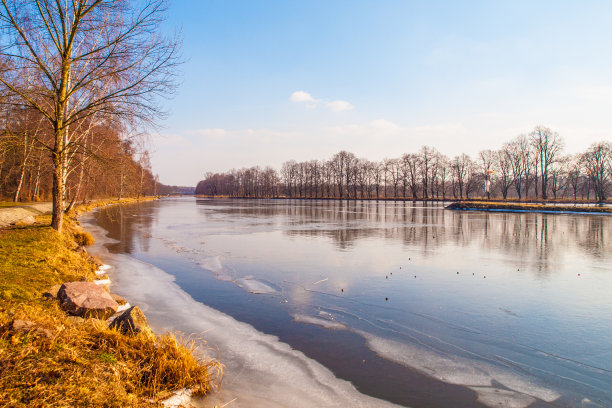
(119, 299)
(86, 299)
(51, 293)
(26, 326)
(27, 220)
(132, 321)
(19, 325)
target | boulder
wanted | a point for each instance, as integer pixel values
(51, 293)
(27, 220)
(26, 326)
(132, 321)
(86, 299)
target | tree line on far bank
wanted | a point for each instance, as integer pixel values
(531, 166)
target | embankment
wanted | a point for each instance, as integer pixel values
(528, 207)
(48, 358)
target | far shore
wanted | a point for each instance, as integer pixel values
(480, 201)
(563, 207)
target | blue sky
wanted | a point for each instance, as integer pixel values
(268, 81)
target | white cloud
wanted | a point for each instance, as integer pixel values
(311, 103)
(301, 96)
(339, 106)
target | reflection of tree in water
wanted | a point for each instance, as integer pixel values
(541, 239)
(129, 224)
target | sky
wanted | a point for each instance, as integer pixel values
(264, 82)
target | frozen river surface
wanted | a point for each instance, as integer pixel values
(336, 303)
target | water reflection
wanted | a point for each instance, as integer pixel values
(130, 225)
(537, 239)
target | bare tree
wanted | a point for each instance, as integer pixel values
(427, 156)
(503, 165)
(487, 158)
(518, 151)
(444, 170)
(598, 161)
(461, 169)
(574, 174)
(410, 163)
(80, 59)
(547, 145)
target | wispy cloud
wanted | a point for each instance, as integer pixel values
(310, 102)
(301, 96)
(339, 106)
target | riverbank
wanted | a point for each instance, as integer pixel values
(523, 201)
(497, 206)
(51, 359)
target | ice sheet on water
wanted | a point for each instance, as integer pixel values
(212, 263)
(479, 376)
(123, 307)
(215, 265)
(260, 370)
(252, 285)
(318, 321)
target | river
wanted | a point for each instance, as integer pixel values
(316, 303)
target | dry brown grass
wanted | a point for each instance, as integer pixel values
(62, 363)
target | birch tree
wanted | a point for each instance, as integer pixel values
(83, 59)
(548, 145)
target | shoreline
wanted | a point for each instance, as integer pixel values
(50, 355)
(528, 208)
(420, 199)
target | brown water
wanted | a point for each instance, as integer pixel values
(410, 303)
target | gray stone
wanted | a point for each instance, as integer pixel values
(86, 299)
(132, 321)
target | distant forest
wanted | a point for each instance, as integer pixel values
(531, 166)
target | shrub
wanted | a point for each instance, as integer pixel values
(83, 238)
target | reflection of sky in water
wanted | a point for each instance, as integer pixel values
(531, 294)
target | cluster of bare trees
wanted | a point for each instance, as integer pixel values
(80, 74)
(252, 182)
(100, 163)
(529, 166)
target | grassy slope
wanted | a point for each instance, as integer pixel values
(63, 363)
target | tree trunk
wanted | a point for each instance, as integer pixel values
(57, 217)
(19, 184)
